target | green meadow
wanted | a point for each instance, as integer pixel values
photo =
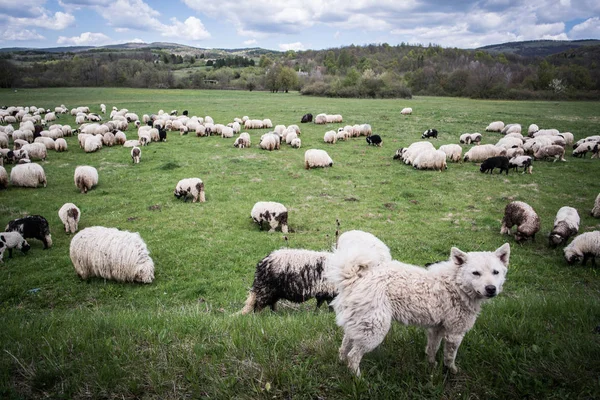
(63, 338)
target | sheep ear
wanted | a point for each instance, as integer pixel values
(458, 257)
(503, 253)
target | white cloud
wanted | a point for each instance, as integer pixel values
(191, 29)
(291, 46)
(20, 35)
(589, 28)
(136, 40)
(85, 39)
(250, 42)
(57, 22)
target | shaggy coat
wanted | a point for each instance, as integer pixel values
(374, 140)
(274, 214)
(510, 128)
(296, 143)
(291, 274)
(3, 177)
(365, 240)
(270, 141)
(453, 152)
(431, 159)
(10, 241)
(28, 175)
(136, 154)
(243, 141)
(489, 164)
(86, 178)
(552, 151)
(111, 254)
(410, 153)
(583, 247)
(60, 145)
(32, 227)
(495, 126)
(69, 214)
(566, 224)
(36, 151)
(317, 158)
(521, 161)
(480, 153)
(596, 210)
(92, 143)
(306, 118)
(330, 137)
(193, 187)
(524, 216)
(446, 298)
(406, 111)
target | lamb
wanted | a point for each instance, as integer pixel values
(306, 118)
(317, 158)
(596, 210)
(496, 126)
(330, 137)
(60, 145)
(28, 175)
(489, 164)
(480, 153)
(136, 154)
(430, 133)
(296, 143)
(374, 140)
(406, 111)
(3, 177)
(553, 151)
(270, 141)
(431, 159)
(453, 152)
(583, 247)
(524, 216)
(566, 224)
(69, 214)
(10, 241)
(243, 141)
(521, 161)
(469, 138)
(273, 213)
(86, 178)
(32, 227)
(111, 254)
(292, 274)
(190, 187)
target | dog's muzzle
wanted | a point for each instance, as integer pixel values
(490, 290)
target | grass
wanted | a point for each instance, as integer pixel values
(176, 338)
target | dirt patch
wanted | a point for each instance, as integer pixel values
(156, 207)
(351, 199)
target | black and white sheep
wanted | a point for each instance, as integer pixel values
(317, 158)
(193, 187)
(296, 275)
(566, 224)
(430, 133)
(111, 254)
(583, 247)
(136, 154)
(521, 162)
(69, 214)
(243, 141)
(273, 213)
(500, 162)
(306, 118)
(28, 175)
(374, 140)
(524, 216)
(10, 241)
(32, 227)
(86, 177)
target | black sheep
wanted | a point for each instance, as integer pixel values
(375, 140)
(162, 134)
(307, 118)
(429, 133)
(185, 112)
(32, 226)
(495, 162)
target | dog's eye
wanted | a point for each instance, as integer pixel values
(495, 272)
(476, 273)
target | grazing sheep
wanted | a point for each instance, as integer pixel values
(28, 175)
(566, 224)
(330, 137)
(3, 177)
(552, 151)
(111, 254)
(32, 227)
(10, 241)
(509, 142)
(136, 154)
(275, 214)
(406, 111)
(193, 187)
(292, 274)
(267, 123)
(583, 247)
(533, 128)
(431, 159)
(317, 158)
(489, 164)
(496, 126)
(521, 161)
(36, 151)
(86, 178)
(103, 108)
(92, 144)
(453, 152)
(226, 132)
(131, 143)
(595, 138)
(321, 119)
(69, 214)
(374, 140)
(296, 143)
(524, 216)
(243, 141)
(410, 153)
(270, 141)
(583, 148)
(480, 153)
(596, 210)
(465, 138)
(430, 133)
(510, 128)
(516, 152)
(108, 139)
(306, 118)
(568, 136)
(60, 145)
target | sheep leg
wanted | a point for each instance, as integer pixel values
(586, 256)
(10, 253)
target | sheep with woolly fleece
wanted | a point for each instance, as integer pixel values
(80, 119)
(193, 187)
(544, 132)
(496, 126)
(552, 151)
(568, 136)
(28, 175)
(93, 117)
(595, 138)
(60, 145)
(10, 241)
(453, 152)
(533, 128)
(583, 148)
(295, 275)
(131, 117)
(431, 159)
(509, 143)
(406, 111)
(201, 131)
(291, 136)
(510, 128)
(18, 155)
(314, 158)
(19, 143)
(321, 119)
(86, 177)
(270, 141)
(49, 117)
(120, 137)
(296, 143)
(226, 132)
(515, 135)
(103, 108)
(566, 224)
(26, 135)
(267, 123)
(111, 254)
(273, 213)
(208, 120)
(242, 141)
(465, 138)
(136, 154)
(480, 153)
(92, 144)
(3, 177)
(515, 152)
(470, 138)
(108, 139)
(69, 214)
(341, 135)
(583, 247)
(524, 217)
(131, 143)
(521, 162)
(409, 154)
(144, 138)
(596, 210)
(32, 227)
(279, 129)
(330, 137)
(49, 143)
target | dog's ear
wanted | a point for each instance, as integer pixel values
(458, 257)
(503, 253)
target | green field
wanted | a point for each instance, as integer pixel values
(176, 338)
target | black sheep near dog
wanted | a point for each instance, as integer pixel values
(495, 162)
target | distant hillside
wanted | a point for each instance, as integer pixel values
(538, 48)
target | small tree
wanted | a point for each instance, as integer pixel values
(287, 79)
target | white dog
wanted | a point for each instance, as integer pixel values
(445, 298)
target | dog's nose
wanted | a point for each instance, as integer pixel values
(490, 290)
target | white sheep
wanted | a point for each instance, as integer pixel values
(411, 152)
(515, 152)
(291, 135)
(103, 108)
(453, 152)
(583, 247)
(296, 143)
(136, 154)
(566, 224)
(111, 254)
(510, 128)
(509, 142)
(552, 151)
(10, 241)
(279, 129)
(270, 141)
(317, 158)
(92, 143)
(596, 210)
(583, 148)
(406, 111)
(483, 152)
(86, 177)
(108, 139)
(193, 187)
(243, 141)
(3, 177)
(321, 119)
(60, 145)
(533, 128)
(330, 137)
(28, 175)
(267, 123)
(568, 136)
(273, 213)
(69, 214)
(431, 159)
(496, 126)
(226, 132)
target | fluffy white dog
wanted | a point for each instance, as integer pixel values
(445, 298)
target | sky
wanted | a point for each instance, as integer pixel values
(294, 24)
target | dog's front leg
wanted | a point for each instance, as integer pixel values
(345, 347)
(450, 348)
(434, 338)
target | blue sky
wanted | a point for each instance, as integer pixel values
(294, 24)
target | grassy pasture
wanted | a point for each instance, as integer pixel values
(177, 338)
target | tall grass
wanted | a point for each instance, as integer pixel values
(177, 338)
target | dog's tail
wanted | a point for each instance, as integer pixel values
(347, 263)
